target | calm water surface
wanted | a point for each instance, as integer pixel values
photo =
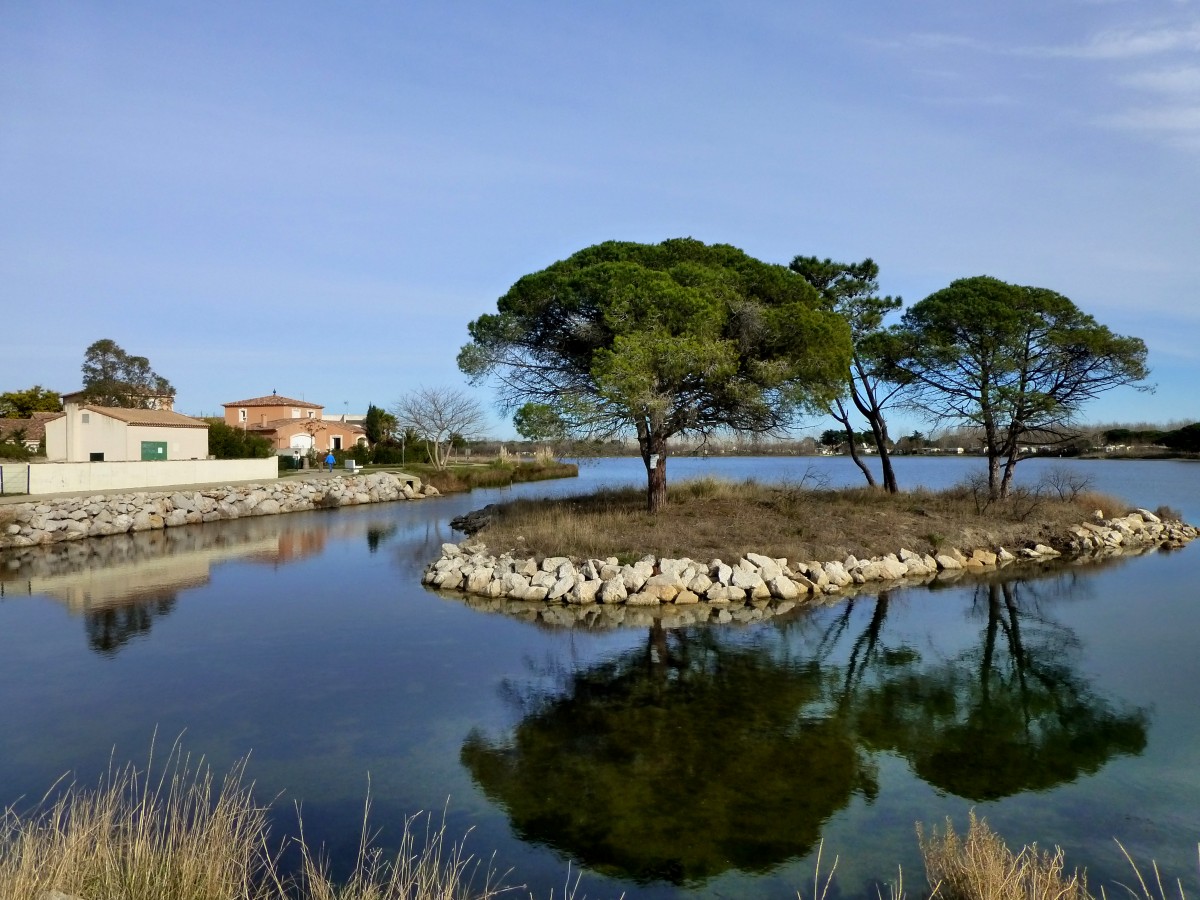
(688, 762)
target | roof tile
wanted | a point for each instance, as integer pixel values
(274, 400)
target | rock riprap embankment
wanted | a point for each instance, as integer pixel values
(652, 582)
(75, 518)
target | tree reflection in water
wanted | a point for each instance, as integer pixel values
(1006, 716)
(675, 763)
(111, 628)
(712, 749)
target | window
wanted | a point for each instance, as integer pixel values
(337, 442)
(85, 418)
(241, 415)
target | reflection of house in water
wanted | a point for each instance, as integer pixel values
(292, 545)
(120, 584)
(120, 591)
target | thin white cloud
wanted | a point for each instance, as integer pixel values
(1128, 43)
(976, 101)
(933, 40)
(1179, 126)
(1176, 119)
(1184, 80)
(930, 40)
(1170, 107)
(1111, 44)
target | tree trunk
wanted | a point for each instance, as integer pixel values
(858, 461)
(842, 416)
(656, 482)
(654, 456)
(991, 443)
(1010, 467)
(868, 405)
(879, 431)
(994, 487)
(889, 474)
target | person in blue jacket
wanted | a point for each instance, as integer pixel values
(330, 460)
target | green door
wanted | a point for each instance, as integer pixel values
(153, 450)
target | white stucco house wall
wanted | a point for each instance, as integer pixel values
(86, 433)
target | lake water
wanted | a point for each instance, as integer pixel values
(694, 762)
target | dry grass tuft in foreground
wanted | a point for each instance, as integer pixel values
(179, 835)
(980, 867)
(429, 868)
(708, 518)
(140, 837)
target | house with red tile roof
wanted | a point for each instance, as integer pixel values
(293, 426)
(29, 432)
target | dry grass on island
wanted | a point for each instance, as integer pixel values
(708, 518)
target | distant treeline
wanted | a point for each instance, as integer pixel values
(1184, 440)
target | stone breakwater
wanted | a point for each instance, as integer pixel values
(723, 591)
(75, 518)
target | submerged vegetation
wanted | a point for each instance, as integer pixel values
(182, 834)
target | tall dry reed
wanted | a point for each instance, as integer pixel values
(140, 835)
(980, 867)
(427, 866)
(176, 833)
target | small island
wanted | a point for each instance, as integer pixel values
(725, 552)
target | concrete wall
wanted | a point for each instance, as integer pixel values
(55, 478)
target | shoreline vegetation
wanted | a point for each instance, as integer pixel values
(460, 477)
(182, 833)
(721, 552)
(712, 517)
(801, 521)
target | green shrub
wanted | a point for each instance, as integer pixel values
(11, 450)
(227, 442)
(388, 453)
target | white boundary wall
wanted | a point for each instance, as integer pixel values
(57, 478)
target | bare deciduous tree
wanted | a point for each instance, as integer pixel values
(436, 414)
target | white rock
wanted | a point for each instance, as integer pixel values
(612, 591)
(783, 588)
(561, 587)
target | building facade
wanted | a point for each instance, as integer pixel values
(293, 426)
(86, 433)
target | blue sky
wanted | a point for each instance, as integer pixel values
(316, 198)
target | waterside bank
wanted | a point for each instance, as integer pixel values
(72, 518)
(755, 586)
